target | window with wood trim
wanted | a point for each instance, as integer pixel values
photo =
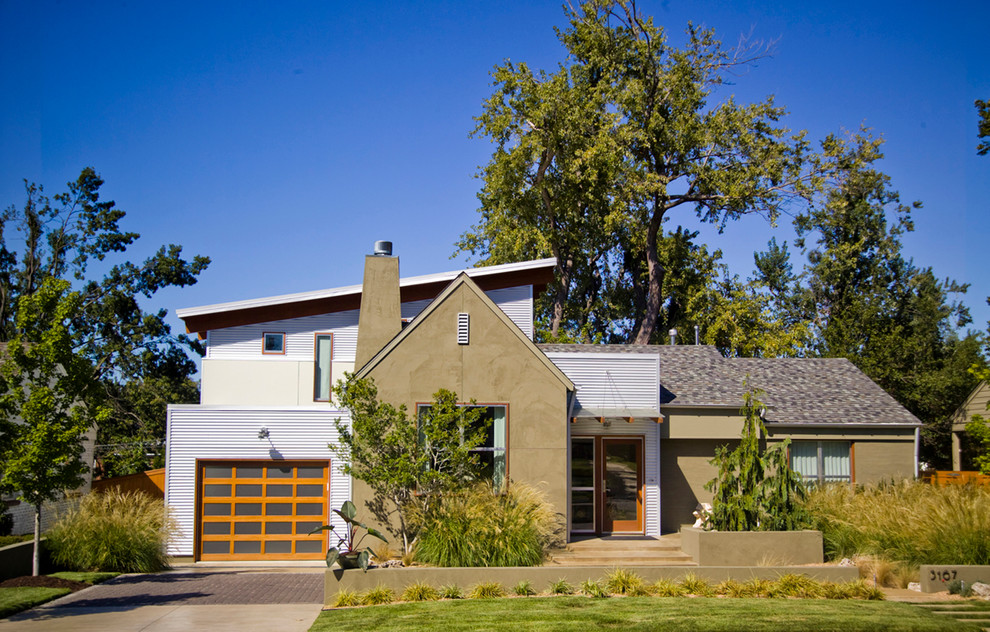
(323, 357)
(492, 451)
(273, 343)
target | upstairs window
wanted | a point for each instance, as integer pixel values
(273, 343)
(323, 351)
(822, 461)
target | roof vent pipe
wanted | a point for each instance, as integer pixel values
(696, 330)
(673, 336)
(383, 249)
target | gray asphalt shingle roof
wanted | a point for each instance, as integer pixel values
(797, 390)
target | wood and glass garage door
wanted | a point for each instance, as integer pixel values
(262, 510)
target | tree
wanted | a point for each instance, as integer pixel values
(755, 488)
(132, 353)
(593, 159)
(406, 461)
(48, 402)
(867, 303)
(983, 131)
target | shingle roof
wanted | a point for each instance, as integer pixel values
(797, 390)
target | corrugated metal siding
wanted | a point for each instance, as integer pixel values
(651, 449)
(244, 342)
(199, 432)
(622, 380)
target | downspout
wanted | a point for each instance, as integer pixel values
(917, 450)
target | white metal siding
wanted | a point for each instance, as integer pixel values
(612, 380)
(244, 342)
(651, 452)
(208, 432)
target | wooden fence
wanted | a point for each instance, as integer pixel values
(151, 482)
(941, 479)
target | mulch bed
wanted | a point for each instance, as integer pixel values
(44, 581)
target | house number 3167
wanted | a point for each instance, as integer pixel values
(944, 576)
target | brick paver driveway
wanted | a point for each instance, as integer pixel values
(200, 589)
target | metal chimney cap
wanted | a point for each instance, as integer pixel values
(383, 249)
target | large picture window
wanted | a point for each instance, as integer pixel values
(492, 451)
(822, 461)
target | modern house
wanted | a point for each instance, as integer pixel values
(619, 437)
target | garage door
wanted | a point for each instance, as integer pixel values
(261, 510)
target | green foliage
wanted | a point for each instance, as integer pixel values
(524, 589)
(407, 463)
(694, 585)
(113, 531)
(16, 599)
(586, 159)
(912, 523)
(87, 577)
(983, 130)
(621, 581)
(560, 587)
(593, 589)
(745, 497)
(347, 599)
(6, 521)
(668, 588)
(487, 526)
(959, 587)
(451, 591)
(378, 595)
(978, 432)
(420, 591)
(487, 590)
(348, 543)
(139, 365)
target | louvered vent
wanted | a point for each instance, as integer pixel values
(463, 327)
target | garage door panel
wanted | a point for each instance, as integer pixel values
(259, 510)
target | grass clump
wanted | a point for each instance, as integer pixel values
(593, 589)
(451, 591)
(694, 585)
(560, 587)
(113, 531)
(347, 599)
(486, 526)
(910, 522)
(420, 591)
(524, 589)
(487, 590)
(622, 582)
(668, 588)
(378, 595)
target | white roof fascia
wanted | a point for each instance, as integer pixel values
(356, 289)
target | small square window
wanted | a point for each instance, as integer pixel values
(274, 343)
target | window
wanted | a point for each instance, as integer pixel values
(822, 461)
(323, 352)
(492, 451)
(273, 343)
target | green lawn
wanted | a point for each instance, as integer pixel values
(90, 577)
(13, 600)
(640, 613)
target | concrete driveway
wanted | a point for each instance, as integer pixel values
(235, 599)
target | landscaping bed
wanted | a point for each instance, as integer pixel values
(21, 593)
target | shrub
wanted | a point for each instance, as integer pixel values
(451, 591)
(114, 531)
(347, 599)
(593, 589)
(694, 585)
(484, 526)
(621, 581)
(961, 588)
(420, 591)
(524, 589)
(731, 588)
(667, 588)
(561, 587)
(378, 595)
(798, 586)
(487, 590)
(913, 523)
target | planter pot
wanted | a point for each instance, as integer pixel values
(752, 548)
(349, 560)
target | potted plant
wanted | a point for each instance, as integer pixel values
(346, 553)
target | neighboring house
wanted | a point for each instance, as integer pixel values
(975, 404)
(619, 437)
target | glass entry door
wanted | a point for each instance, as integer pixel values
(623, 485)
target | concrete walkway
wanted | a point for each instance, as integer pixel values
(186, 599)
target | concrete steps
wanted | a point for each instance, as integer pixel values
(624, 551)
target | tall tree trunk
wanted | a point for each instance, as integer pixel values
(565, 271)
(655, 273)
(36, 560)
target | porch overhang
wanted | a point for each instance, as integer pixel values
(621, 414)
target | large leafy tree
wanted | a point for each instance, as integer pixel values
(592, 160)
(48, 401)
(866, 302)
(131, 353)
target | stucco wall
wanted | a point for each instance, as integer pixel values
(495, 368)
(262, 382)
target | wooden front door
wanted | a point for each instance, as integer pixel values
(261, 510)
(622, 479)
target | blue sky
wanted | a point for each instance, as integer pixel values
(283, 139)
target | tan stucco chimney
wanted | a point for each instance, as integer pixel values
(381, 317)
